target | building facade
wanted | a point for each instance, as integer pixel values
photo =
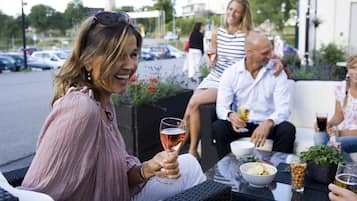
(203, 7)
(327, 21)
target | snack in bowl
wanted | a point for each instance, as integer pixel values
(258, 174)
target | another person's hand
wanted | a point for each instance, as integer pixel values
(261, 133)
(236, 121)
(317, 129)
(340, 194)
(278, 67)
(211, 63)
(164, 164)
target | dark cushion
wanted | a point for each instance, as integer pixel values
(206, 191)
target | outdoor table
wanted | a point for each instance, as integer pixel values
(226, 171)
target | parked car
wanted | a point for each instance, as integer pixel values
(54, 58)
(171, 36)
(165, 51)
(147, 56)
(29, 50)
(19, 59)
(176, 53)
(34, 64)
(8, 63)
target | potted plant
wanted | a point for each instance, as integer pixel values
(141, 108)
(322, 162)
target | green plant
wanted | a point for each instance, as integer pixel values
(322, 154)
(147, 91)
(204, 71)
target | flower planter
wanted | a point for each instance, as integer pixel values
(139, 125)
(324, 173)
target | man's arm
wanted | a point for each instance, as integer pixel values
(225, 94)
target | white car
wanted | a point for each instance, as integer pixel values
(54, 58)
(171, 36)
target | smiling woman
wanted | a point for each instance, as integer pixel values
(80, 140)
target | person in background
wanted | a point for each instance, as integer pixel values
(193, 59)
(340, 194)
(251, 83)
(80, 155)
(345, 112)
(228, 44)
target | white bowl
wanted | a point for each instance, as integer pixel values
(257, 180)
(268, 145)
(241, 148)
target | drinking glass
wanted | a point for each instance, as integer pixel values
(346, 176)
(172, 134)
(297, 176)
(321, 120)
(243, 113)
(211, 53)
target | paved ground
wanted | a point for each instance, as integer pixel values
(24, 106)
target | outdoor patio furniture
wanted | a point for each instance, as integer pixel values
(206, 191)
(226, 171)
(307, 98)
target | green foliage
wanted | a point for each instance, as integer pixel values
(147, 91)
(329, 55)
(272, 10)
(204, 71)
(165, 5)
(322, 154)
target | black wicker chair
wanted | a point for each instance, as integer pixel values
(206, 191)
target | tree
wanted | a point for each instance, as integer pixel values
(166, 6)
(75, 13)
(39, 17)
(276, 11)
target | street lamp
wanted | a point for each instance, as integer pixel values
(173, 17)
(23, 33)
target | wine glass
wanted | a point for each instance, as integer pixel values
(172, 135)
(346, 176)
(211, 53)
(243, 114)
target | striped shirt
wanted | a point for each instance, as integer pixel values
(230, 49)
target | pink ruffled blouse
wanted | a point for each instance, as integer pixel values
(81, 155)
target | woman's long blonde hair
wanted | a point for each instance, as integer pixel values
(246, 22)
(94, 40)
(350, 62)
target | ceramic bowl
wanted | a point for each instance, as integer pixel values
(250, 173)
(268, 145)
(241, 148)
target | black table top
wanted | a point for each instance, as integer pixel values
(226, 171)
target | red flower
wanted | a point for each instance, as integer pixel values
(151, 88)
(154, 80)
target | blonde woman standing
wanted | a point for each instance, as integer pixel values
(228, 43)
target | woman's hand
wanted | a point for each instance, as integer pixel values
(164, 164)
(278, 67)
(341, 194)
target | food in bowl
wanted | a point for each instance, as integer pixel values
(259, 169)
(258, 174)
(241, 148)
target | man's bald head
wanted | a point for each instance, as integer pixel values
(258, 51)
(255, 40)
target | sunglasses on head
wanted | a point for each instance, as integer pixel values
(110, 18)
(106, 19)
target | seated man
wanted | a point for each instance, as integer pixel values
(250, 84)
